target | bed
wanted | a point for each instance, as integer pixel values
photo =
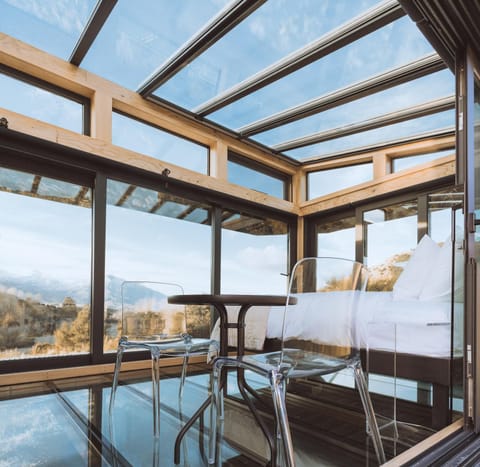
(417, 323)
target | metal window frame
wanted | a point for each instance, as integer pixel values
(95, 23)
(164, 130)
(391, 118)
(220, 25)
(237, 158)
(417, 69)
(52, 88)
(29, 153)
(360, 26)
(430, 135)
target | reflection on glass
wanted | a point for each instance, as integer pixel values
(255, 179)
(337, 238)
(406, 129)
(327, 181)
(45, 272)
(48, 25)
(39, 431)
(419, 91)
(37, 103)
(388, 242)
(139, 36)
(254, 254)
(441, 206)
(402, 163)
(154, 236)
(271, 32)
(159, 144)
(352, 63)
(476, 137)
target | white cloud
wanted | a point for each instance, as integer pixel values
(68, 15)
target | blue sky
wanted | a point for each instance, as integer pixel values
(131, 46)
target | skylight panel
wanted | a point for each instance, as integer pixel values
(393, 45)
(273, 31)
(141, 35)
(407, 129)
(50, 25)
(415, 92)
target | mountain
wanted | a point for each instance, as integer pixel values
(52, 291)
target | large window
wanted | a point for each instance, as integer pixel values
(153, 236)
(254, 254)
(337, 238)
(328, 181)
(42, 104)
(402, 163)
(45, 273)
(390, 234)
(147, 139)
(257, 178)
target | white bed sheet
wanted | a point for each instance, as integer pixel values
(407, 326)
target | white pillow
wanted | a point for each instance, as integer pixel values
(416, 272)
(438, 286)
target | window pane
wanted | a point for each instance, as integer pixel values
(324, 182)
(337, 238)
(416, 92)
(440, 212)
(402, 163)
(49, 25)
(271, 32)
(256, 180)
(139, 36)
(254, 254)
(18, 96)
(153, 236)
(354, 62)
(406, 129)
(46, 262)
(146, 139)
(391, 236)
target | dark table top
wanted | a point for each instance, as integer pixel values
(229, 299)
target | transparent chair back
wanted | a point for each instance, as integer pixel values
(320, 329)
(147, 317)
(149, 322)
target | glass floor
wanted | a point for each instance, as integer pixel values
(66, 423)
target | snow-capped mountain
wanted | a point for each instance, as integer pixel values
(46, 290)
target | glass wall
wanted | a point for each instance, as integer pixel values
(390, 235)
(402, 163)
(38, 103)
(328, 181)
(153, 236)
(255, 178)
(254, 254)
(337, 238)
(45, 278)
(167, 147)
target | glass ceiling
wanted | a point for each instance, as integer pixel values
(274, 71)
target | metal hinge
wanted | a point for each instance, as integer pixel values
(471, 222)
(3, 122)
(469, 382)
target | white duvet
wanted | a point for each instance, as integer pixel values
(383, 323)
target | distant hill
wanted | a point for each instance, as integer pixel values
(45, 290)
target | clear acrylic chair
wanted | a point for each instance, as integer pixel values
(149, 322)
(319, 338)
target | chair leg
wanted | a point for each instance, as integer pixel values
(278, 387)
(369, 413)
(156, 392)
(183, 377)
(216, 411)
(116, 373)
